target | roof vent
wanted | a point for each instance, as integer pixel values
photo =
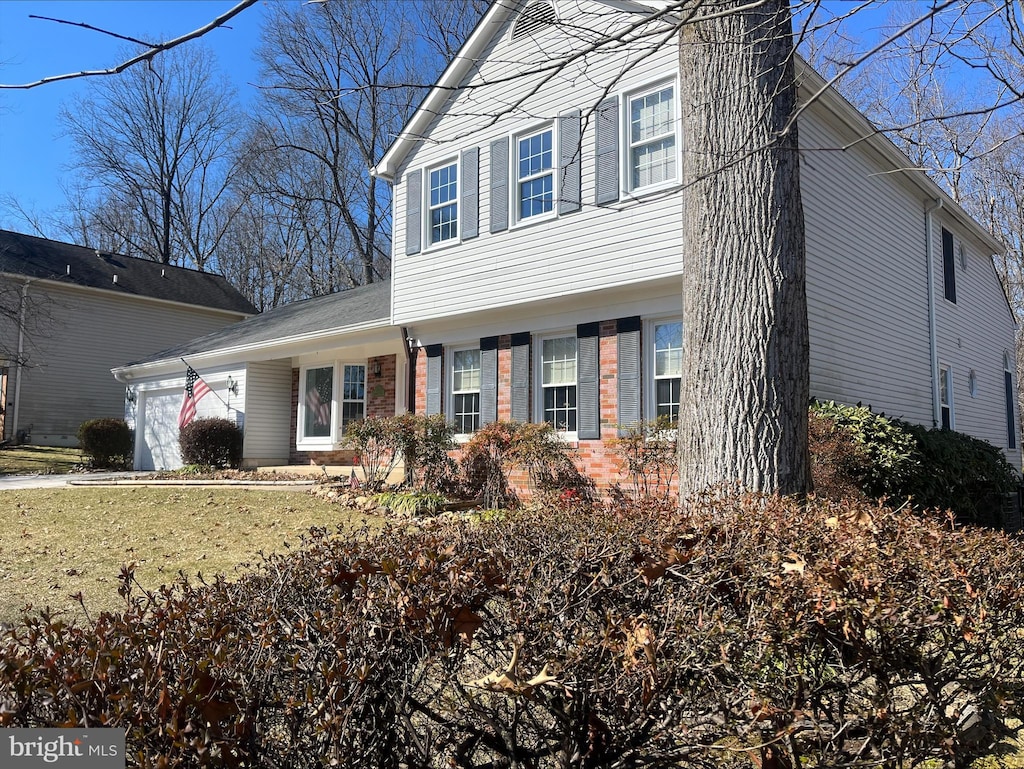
(115, 277)
(163, 273)
(68, 270)
(535, 17)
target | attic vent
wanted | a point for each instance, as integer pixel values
(535, 17)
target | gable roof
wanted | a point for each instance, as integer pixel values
(33, 257)
(346, 311)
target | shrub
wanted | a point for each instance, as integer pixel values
(649, 452)
(499, 449)
(886, 457)
(422, 442)
(822, 635)
(214, 442)
(106, 442)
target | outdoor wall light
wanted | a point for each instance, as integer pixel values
(129, 394)
(232, 385)
(376, 368)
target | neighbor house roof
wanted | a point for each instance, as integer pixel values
(68, 264)
(351, 310)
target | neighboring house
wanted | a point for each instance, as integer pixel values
(538, 250)
(84, 311)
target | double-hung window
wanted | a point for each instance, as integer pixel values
(535, 174)
(668, 369)
(558, 382)
(466, 391)
(652, 137)
(353, 394)
(443, 203)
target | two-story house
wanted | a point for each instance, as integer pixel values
(538, 249)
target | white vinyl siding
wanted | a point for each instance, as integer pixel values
(268, 392)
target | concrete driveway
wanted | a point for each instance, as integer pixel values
(37, 481)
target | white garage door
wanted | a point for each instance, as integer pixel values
(158, 416)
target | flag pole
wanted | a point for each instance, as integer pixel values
(190, 366)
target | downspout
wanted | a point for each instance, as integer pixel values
(933, 341)
(410, 377)
(22, 312)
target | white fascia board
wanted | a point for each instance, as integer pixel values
(811, 83)
(288, 347)
(238, 314)
(433, 103)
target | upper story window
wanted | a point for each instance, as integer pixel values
(558, 383)
(442, 204)
(465, 411)
(535, 171)
(948, 266)
(667, 342)
(652, 137)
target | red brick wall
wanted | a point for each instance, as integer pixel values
(380, 402)
(596, 459)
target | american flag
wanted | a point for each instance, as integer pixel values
(195, 388)
(318, 401)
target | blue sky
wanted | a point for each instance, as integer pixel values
(33, 155)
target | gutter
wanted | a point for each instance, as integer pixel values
(933, 341)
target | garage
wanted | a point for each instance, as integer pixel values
(158, 444)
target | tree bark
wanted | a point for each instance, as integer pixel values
(745, 380)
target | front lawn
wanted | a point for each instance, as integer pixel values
(57, 542)
(21, 460)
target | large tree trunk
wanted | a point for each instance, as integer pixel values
(743, 416)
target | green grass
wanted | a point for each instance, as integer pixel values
(19, 460)
(57, 542)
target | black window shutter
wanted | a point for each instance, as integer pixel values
(1011, 427)
(521, 377)
(607, 151)
(413, 207)
(499, 184)
(948, 266)
(434, 358)
(488, 380)
(469, 170)
(629, 410)
(588, 382)
(569, 154)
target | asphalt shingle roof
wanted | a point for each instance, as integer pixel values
(79, 266)
(322, 314)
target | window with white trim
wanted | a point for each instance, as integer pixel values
(353, 394)
(316, 406)
(535, 174)
(465, 379)
(667, 370)
(443, 203)
(558, 383)
(651, 137)
(946, 397)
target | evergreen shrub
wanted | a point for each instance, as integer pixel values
(212, 442)
(106, 443)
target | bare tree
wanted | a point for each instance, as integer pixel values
(157, 141)
(337, 92)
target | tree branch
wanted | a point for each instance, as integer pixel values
(144, 56)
